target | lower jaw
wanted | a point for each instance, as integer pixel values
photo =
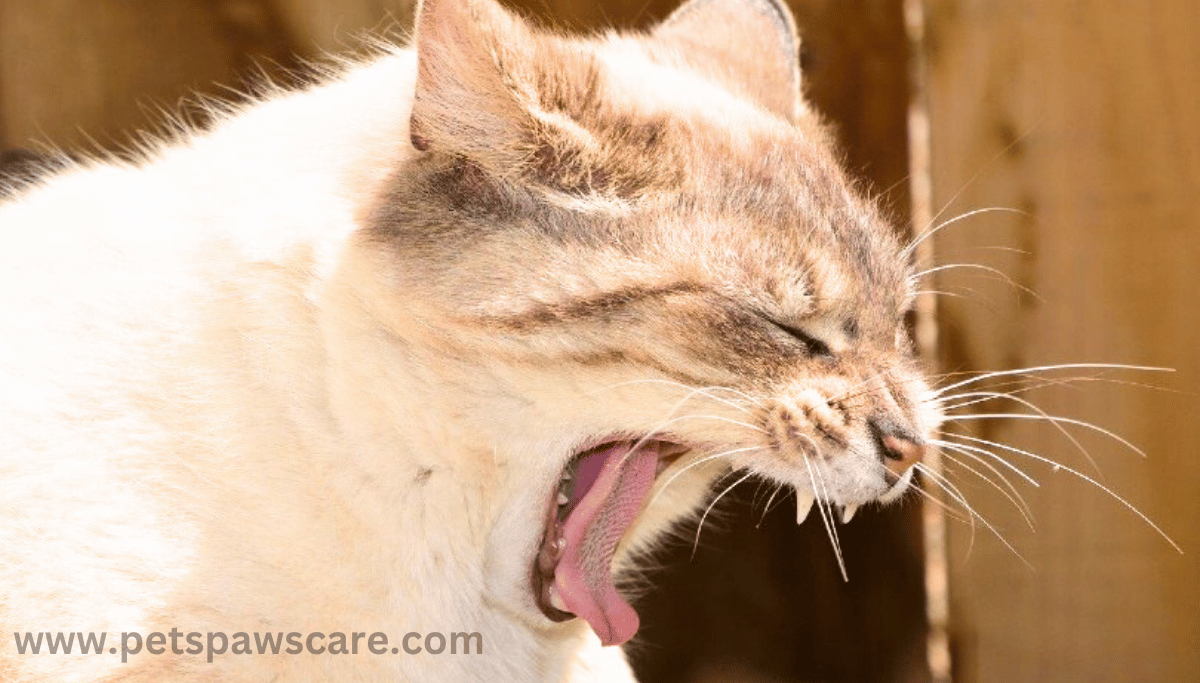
(898, 488)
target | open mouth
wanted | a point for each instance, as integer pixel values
(600, 494)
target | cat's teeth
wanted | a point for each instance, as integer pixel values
(566, 475)
(848, 513)
(804, 504)
(562, 498)
(556, 600)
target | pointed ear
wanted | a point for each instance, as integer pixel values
(751, 46)
(466, 100)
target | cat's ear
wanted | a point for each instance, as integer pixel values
(751, 46)
(466, 100)
(493, 90)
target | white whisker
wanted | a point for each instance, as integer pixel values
(1045, 368)
(961, 217)
(1025, 383)
(846, 393)
(1057, 466)
(700, 461)
(767, 507)
(720, 418)
(1016, 470)
(743, 394)
(947, 266)
(1048, 418)
(837, 539)
(979, 266)
(658, 430)
(946, 508)
(953, 491)
(700, 526)
(1032, 406)
(837, 550)
(936, 292)
(703, 391)
(1011, 494)
(934, 479)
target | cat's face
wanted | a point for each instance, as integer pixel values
(647, 253)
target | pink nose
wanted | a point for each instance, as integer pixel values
(900, 452)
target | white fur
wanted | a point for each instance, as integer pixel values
(186, 438)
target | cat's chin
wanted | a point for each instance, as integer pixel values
(599, 496)
(898, 488)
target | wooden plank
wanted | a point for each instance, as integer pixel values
(83, 74)
(75, 72)
(65, 64)
(1088, 120)
(335, 26)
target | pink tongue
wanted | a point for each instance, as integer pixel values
(583, 577)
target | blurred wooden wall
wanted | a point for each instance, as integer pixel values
(1086, 117)
(83, 72)
(758, 603)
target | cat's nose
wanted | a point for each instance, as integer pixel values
(898, 449)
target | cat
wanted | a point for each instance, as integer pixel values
(441, 344)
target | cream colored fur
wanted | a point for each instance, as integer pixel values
(224, 408)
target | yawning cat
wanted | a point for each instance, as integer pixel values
(439, 346)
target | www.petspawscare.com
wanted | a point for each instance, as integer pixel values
(212, 644)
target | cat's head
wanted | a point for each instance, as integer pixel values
(641, 251)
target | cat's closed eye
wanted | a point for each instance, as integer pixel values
(813, 346)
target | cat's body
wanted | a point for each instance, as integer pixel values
(318, 371)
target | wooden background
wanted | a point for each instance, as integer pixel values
(1086, 119)
(1086, 116)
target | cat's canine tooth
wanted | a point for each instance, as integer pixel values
(848, 513)
(562, 498)
(556, 599)
(804, 504)
(566, 475)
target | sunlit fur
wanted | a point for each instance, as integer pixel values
(317, 369)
